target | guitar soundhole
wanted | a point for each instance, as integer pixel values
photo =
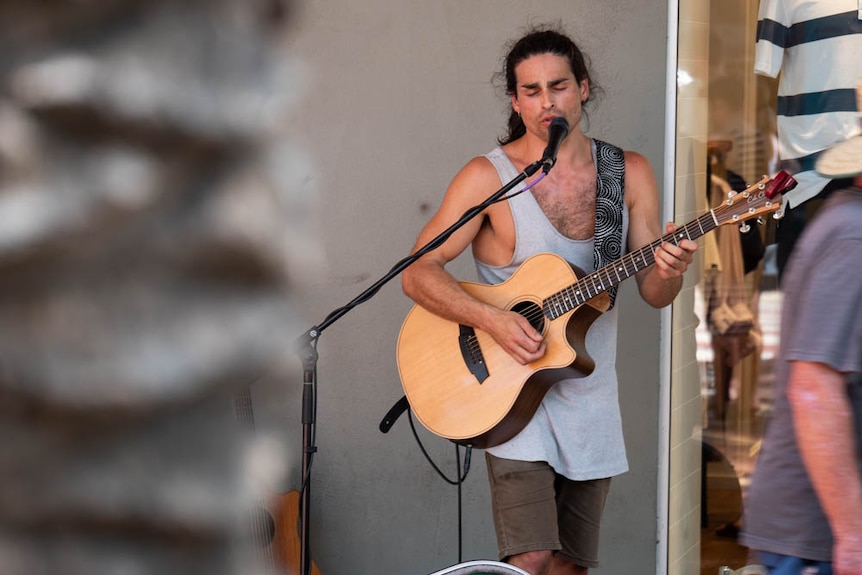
(262, 527)
(533, 313)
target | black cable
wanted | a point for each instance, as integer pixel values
(460, 522)
(460, 478)
(458, 482)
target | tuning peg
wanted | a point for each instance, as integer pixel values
(760, 221)
(777, 215)
(744, 228)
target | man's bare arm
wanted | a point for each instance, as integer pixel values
(658, 284)
(429, 284)
(824, 426)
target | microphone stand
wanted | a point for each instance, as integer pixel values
(307, 347)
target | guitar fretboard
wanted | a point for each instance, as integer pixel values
(623, 268)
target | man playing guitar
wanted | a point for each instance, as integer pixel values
(573, 445)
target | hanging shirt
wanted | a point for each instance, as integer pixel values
(816, 46)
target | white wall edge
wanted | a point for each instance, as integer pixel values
(666, 330)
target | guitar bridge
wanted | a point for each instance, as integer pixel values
(472, 353)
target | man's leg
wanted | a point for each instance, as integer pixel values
(580, 505)
(786, 565)
(525, 512)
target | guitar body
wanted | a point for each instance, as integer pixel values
(464, 387)
(447, 396)
(273, 526)
(275, 537)
(287, 539)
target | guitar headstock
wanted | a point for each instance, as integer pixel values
(764, 197)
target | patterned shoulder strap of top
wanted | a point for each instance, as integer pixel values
(610, 183)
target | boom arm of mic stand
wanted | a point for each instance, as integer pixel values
(306, 346)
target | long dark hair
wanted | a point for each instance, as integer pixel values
(541, 40)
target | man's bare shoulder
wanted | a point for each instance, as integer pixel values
(637, 164)
(640, 177)
(477, 178)
(641, 192)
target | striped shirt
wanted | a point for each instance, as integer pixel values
(816, 46)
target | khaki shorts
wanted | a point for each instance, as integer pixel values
(537, 509)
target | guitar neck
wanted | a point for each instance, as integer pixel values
(621, 269)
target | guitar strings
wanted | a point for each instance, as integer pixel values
(593, 284)
(261, 530)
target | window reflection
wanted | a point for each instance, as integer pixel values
(737, 300)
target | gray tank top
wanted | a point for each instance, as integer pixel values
(577, 428)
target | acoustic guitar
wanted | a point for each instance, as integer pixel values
(274, 520)
(463, 386)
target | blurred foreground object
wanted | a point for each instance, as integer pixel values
(149, 228)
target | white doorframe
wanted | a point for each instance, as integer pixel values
(666, 332)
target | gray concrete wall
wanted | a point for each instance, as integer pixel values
(396, 97)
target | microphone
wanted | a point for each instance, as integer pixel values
(557, 132)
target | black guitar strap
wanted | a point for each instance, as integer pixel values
(610, 166)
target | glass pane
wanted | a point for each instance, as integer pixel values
(740, 304)
(736, 299)
(727, 124)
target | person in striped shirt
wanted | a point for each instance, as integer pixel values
(814, 48)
